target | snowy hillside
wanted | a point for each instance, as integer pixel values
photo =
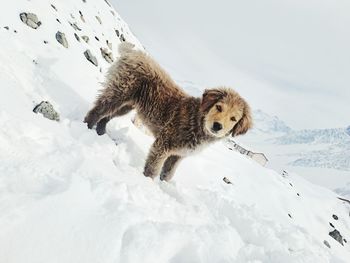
(68, 195)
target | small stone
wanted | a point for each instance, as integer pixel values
(15, 31)
(47, 110)
(99, 19)
(122, 38)
(112, 12)
(30, 20)
(54, 7)
(86, 39)
(109, 44)
(326, 243)
(75, 26)
(298, 194)
(226, 180)
(335, 217)
(45, 42)
(107, 3)
(97, 38)
(337, 236)
(82, 18)
(290, 215)
(117, 32)
(108, 56)
(61, 38)
(76, 37)
(72, 16)
(331, 224)
(58, 20)
(6, 27)
(90, 57)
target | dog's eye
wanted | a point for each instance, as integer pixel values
(233, 119)
(219, 108)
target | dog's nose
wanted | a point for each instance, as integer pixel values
(217, 126)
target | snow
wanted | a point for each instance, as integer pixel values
(68, 195)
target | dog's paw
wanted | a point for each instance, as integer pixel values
(91, 119)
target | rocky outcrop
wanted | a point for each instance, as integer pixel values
(47, 110)
(90, 57)
(61, 38)
(337, 236)
(108, 56)
(30, 20)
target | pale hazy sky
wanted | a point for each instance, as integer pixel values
(290, 58)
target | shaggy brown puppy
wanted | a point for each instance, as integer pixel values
(180, 123)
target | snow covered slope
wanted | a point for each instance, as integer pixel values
(67, 195)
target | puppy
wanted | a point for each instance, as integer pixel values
(180, 123)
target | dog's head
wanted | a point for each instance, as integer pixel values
(225, 113)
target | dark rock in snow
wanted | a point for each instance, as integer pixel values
(54, 7)
(97, 38)
(99, 19)
(109, 44)
(226, 180)
(61, 38)
(108, 56)
(122, 38)
(6, 27)
(86, 39)
(90, 57)
(77, 37)
(337, 236)
(117, 32)
(47, 110)
(331, 224)
(75, 26)
(45, 42)
(326, 243)
(335, 217)
(30, 20)
(58, 20)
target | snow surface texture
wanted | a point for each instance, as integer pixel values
(68, 195)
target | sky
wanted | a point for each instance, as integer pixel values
(289, 58)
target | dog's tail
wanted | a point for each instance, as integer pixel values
(125, 47)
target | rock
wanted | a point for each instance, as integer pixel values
(109, 44)
(226, 180)
(335, 217)
(30, 20)
(54, 7)
(331, 224)
(108, 56)
(326, 243)
(122, 38)
(61, 38)
(117, 32)
(82, 16)
(112, 12)
(77, 37)
(97, 38)
(337, 236)
(6, 27)
(108, 3)
(45, 42)
(58, 20)
(90, 57)
(75, 26)
(99, 19)
(47, 110)
(86, 39)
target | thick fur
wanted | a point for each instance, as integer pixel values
(180, 123)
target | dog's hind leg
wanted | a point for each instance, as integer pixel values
(155, 159)
(106, 104)
(101, 124)
(169, 167)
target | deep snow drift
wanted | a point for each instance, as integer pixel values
(68, 195)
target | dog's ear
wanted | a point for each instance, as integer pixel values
(210, 97)
(244, 124)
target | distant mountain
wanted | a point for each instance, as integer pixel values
(338, 135)
(266, 123)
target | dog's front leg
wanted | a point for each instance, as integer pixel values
(155, 159)
(169, 167)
